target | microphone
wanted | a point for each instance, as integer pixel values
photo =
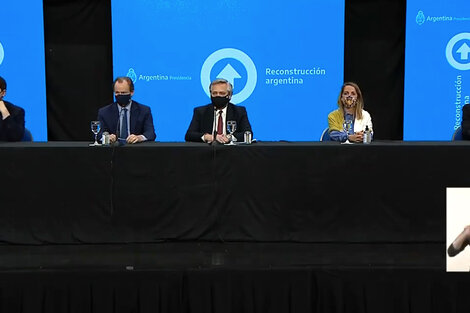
(118, 129)
(118, 125)
(214, 128)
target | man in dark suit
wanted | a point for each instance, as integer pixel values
(11, 117)
(209, 121)
(126, 120)
(466, 122)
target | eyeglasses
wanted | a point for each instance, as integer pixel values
(122, 93)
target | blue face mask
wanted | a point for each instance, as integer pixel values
(123, 100)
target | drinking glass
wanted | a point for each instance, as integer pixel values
(347, 127)
(95, 128)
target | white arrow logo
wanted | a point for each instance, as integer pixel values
(229, 73)
(464, 50)
(2, 53)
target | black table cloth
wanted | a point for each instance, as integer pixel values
(67, 192)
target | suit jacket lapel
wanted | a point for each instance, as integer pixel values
(230, 113)
(114, 119)
(208, 122)
(134, 116)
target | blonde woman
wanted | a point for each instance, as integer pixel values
(350, 108)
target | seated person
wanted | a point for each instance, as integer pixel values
(350, 103)
(204, 128)
(126, 120)
(11, 117)
(466, 122)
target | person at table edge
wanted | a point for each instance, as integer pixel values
(11, 117)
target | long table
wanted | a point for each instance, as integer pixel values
(68, 192)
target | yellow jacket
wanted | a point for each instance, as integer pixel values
(336, 118)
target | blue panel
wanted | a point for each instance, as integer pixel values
(22, 61)
(285, 59)
(437, 64)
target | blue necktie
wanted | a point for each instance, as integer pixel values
(123, 131)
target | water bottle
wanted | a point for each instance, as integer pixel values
(105, 139)
(367, 138)
(248, 137)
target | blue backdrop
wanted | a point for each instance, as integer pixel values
(22, 61)
(284, 58)
(437, 64)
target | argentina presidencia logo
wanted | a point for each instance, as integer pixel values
(420, 18)
(132, 75)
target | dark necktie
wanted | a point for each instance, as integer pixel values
(220, 124)
(124, 124)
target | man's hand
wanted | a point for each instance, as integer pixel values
(222, 139)
(219, 138)
(3, 110)
(208, 138)
(134, 138)
(112, 138)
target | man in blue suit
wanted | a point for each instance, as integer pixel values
(126, 120)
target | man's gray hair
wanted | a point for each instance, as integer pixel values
(222, 81)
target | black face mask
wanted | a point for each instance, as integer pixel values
(123, 100)
(220, 102)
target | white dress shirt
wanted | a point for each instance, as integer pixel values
(216, 121)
